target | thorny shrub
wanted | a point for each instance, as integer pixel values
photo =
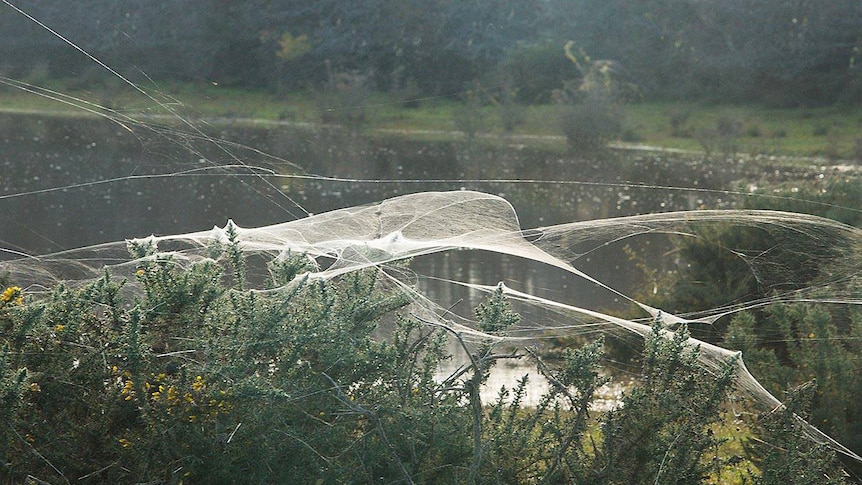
(190, 378)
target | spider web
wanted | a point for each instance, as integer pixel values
(384, 235)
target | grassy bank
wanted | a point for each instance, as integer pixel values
(831, 132)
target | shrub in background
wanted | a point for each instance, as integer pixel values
(512, 112)
(344, 98)
(468, 116)
(537, 69)
(590, 123)
(678, 120)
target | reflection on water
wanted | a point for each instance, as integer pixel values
(607, 397)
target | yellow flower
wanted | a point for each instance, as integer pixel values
(173, 396)
(198, 384)
(59, 328)
(12, 294)
(128, 390)
(34, 387)
(125, 443)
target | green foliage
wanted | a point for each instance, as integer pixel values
(198, 380)
(661, 432)
(495, 315)
(590, 123)
(801, 343)
(725, 263)
(783, 452)
(778, 52)
(838, 199)
(537, 69)
(12, 388)
(545, 443)
(713, 275)
(292, 47)
(761, 360)
(783, 345)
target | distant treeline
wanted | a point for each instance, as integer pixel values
(781, 52)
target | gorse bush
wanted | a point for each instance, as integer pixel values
(661, 433)
(798, 460)
(790, 348)
(180, 375)
(193, 380)
(809, 345)
(709, 276)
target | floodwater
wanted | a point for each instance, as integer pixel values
(114, 181)
(72, 182)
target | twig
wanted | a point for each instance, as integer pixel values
(664, 458)
(579, 406)
(37, 480)
(475, 401)
(545, 371)
(40, 455)
(229, 438)
(297, 438)
(473, 386)
(100, 470)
